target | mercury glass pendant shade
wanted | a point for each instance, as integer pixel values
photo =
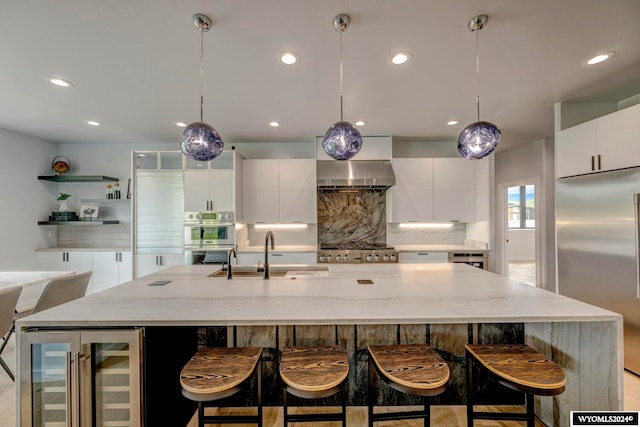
(478, 140)
(342, 141)
(201, 142)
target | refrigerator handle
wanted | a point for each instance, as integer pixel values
(76, 390)
(636, 213)
(69, 388)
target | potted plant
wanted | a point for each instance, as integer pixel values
(62, 198)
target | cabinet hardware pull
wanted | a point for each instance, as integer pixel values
(593, 163)
(275, 254)
(423, 253)
(599, 163)
(160, 260)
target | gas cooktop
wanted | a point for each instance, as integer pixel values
(355, 254)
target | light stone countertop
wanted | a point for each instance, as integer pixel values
(401, 293)
(437, 248)
(279, 248)
(57, 249)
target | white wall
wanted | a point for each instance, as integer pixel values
(25, 200)
(532, 160)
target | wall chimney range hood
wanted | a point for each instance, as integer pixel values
(355, 174)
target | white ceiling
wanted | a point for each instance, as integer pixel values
(135, 66)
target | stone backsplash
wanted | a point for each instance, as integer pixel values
(352, 216)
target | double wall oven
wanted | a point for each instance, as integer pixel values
(208, 236)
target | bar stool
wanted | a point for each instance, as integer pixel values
(518, 367)
(314, 373)
(408, 368)
(215, 373)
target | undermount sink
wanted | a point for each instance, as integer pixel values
(292, 271)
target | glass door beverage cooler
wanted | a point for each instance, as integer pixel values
(76, 378)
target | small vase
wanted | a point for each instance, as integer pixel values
(63, 207)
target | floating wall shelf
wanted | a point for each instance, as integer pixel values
(81, 223)
(78, 178)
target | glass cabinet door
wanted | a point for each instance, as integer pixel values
(49, 378)
(111, 380)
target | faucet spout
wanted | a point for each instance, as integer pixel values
(268, 237)
(229, 274)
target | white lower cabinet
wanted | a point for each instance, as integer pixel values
(422, 257)
(65, 261)
(252, 258)
(148, 263)
(110, 269)
(81, 378)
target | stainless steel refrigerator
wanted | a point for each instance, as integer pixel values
(597, 241)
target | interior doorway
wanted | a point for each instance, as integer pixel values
(520, 235)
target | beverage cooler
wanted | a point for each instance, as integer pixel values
(76, 378)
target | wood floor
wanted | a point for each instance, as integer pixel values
(442, 416)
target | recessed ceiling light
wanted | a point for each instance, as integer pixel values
(360, 123)
(181, 124)
(93, 123)
(400, 58)
(289, 58)
(601, 57)
(452, 122)
(59, 82)
(274, 124)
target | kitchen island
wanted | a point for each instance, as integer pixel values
(446, 305)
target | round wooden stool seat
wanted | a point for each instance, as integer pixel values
(520, 367)
(411, 368)
(516, 366)
(219, 372)
(314, 372)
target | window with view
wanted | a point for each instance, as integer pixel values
(521, 206)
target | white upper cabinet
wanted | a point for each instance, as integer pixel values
(433, 190)
(454, 174)
(606, 143)
(575, 150)
(279, 191)
(619, 139)
(413, 174)
(454, 206)
(410, 206)
(296, 175)
(260, 175)
(261, 207)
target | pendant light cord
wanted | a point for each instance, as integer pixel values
(341, 117)
(201, 72)
(477, 75)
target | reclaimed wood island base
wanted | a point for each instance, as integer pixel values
(443, 305)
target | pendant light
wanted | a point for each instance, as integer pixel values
(342, 140)
(479, 139)
(201, 141)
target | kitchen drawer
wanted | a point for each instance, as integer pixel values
(422, 257)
